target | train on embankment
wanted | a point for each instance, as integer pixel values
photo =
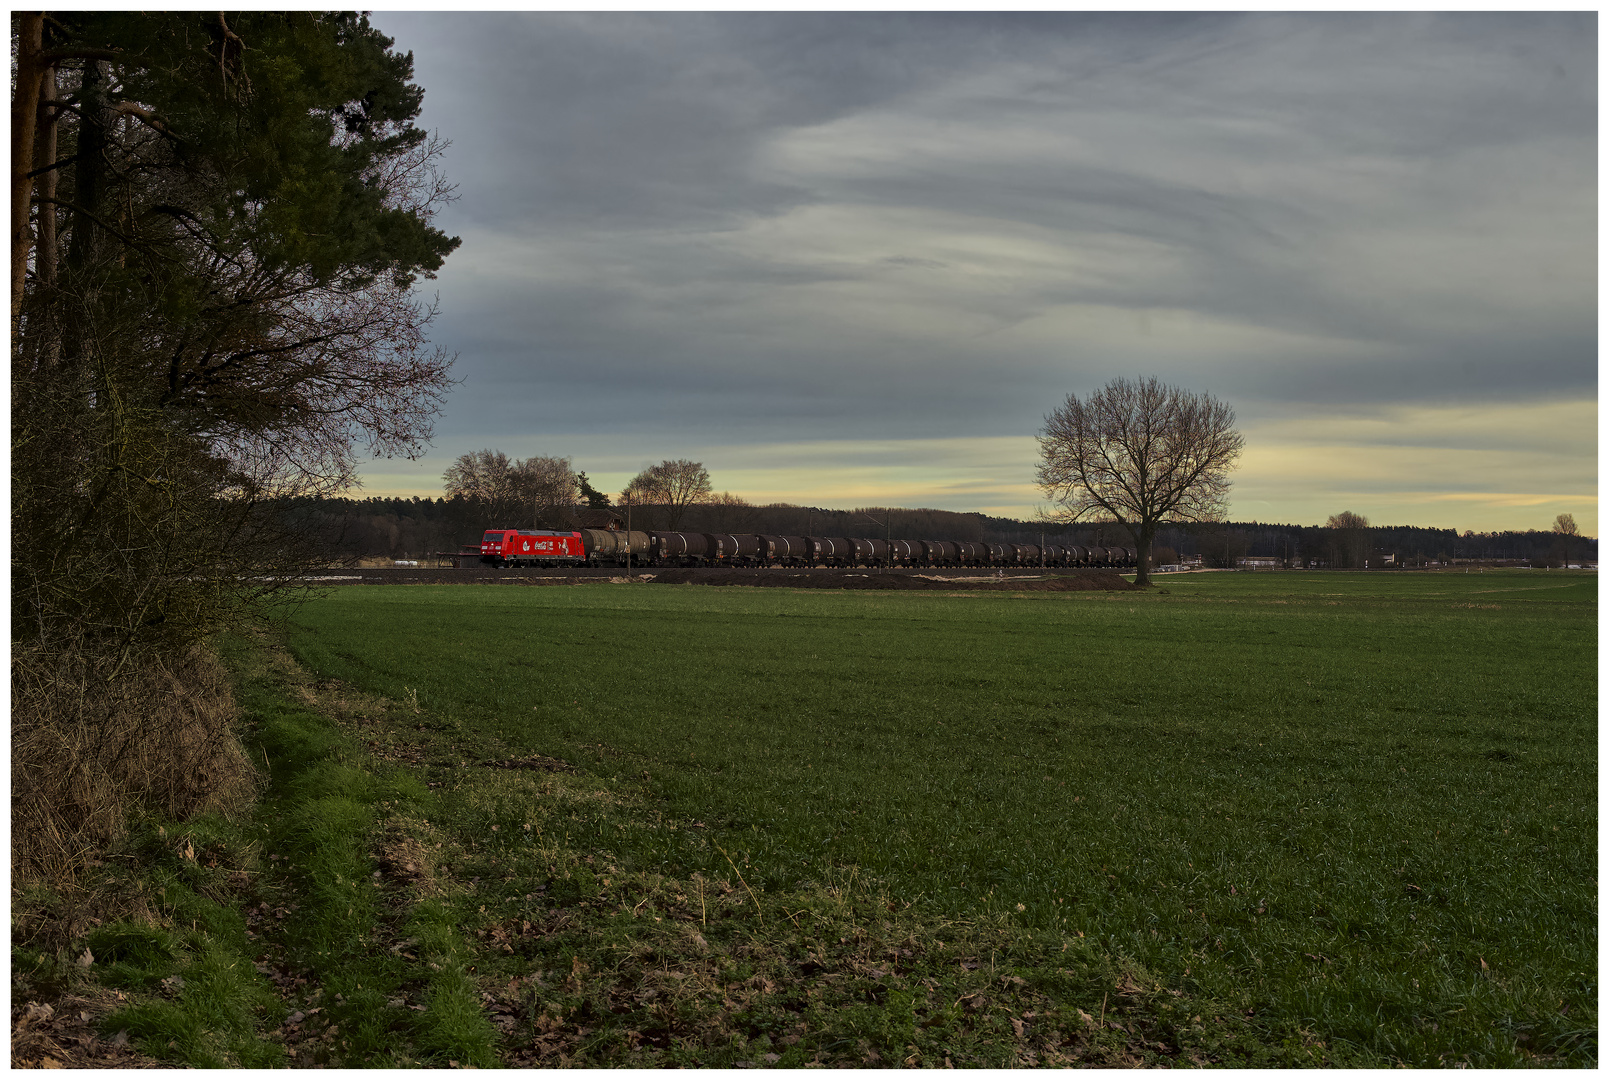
(612, 547)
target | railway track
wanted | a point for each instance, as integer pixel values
(408, 575)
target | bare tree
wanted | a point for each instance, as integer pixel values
(1351, 544)
(1567, 529)
(643, 494)
(551, 488)
(676, 485)
(542, 490)
(1141, 453)
(484, 475)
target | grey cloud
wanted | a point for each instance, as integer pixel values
(619, 120)
(1375, 150)
(1254, 170)
(616, 120)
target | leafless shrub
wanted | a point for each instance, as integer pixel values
(87, 749)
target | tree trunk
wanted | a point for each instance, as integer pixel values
(24, 122)
(89, 171)
(45, 243)
(1143, 534)
(37, 347)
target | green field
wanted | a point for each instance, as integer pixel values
(1363, 807)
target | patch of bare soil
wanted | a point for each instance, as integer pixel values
(62, 1035)
(1080, 581)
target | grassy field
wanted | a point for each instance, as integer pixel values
(1255, 819)
(1362, 805)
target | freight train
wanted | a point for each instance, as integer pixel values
(609, 547)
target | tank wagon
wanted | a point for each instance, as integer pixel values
(609, 547)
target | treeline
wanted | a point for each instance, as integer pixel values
(414, 528)
(1410, 544)
(1349, 548)
(419, 528)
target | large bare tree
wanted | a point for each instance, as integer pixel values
(481, 474)
(1139, 452)
(675, 485)
(542, 490)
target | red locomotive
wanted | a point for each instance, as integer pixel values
(531, 547)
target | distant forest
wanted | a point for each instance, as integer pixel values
(407, 529)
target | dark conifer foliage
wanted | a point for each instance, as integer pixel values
(213, 304)
(219, 222)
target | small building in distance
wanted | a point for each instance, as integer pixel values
(588, 518)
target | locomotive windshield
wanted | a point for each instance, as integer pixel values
(492, 538)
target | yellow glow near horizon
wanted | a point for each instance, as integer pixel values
(1484, 469)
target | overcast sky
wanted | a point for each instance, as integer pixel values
(853, 259)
